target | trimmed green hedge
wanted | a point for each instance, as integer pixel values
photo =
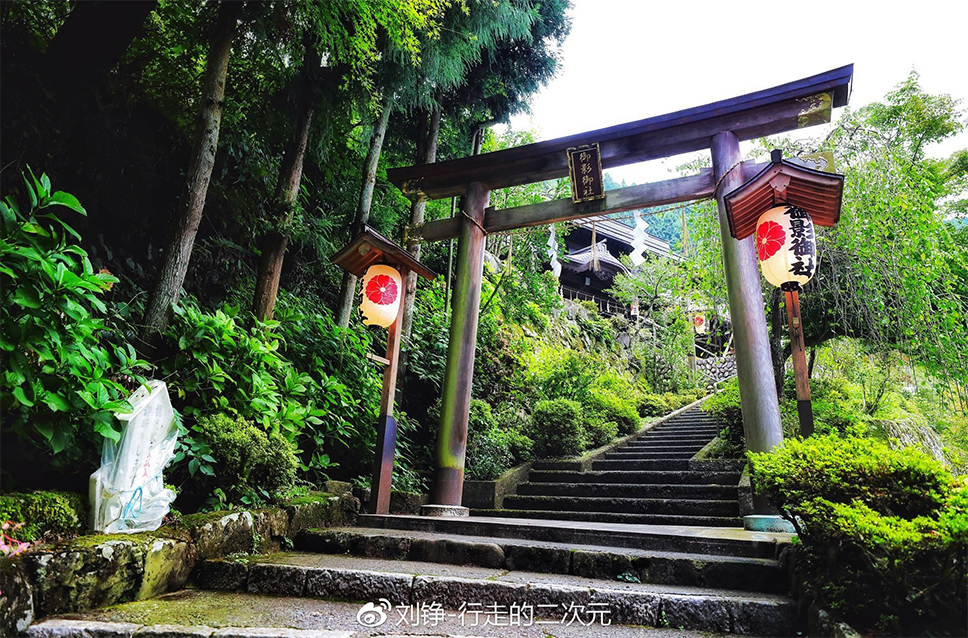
(884, 532)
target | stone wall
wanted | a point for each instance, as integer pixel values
(99, 570)
(717, 369)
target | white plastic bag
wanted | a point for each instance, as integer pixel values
(127, 492)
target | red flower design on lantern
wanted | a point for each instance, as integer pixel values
(769, 239)
(382, 290)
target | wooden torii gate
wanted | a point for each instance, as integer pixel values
(720, 127)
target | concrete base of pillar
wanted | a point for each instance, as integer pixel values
(767, 523)
(455, 511)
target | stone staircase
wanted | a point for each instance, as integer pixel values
(647, 538)
(649, 480)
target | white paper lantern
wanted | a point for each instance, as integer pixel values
(700, 324)
(382, 291)
(786, 245)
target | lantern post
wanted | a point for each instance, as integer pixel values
(382, 266)
(780, 205)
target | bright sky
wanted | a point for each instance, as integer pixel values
(626, 60)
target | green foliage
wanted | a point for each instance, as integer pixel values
(884, 532)
(601, 433)
(610, 407)
(488, 455)
(557, 428)
(63, 370)
(248, 464)
(219, 365)
(725, 406)
(44, 512)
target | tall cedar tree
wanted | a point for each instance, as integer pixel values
(188, 216)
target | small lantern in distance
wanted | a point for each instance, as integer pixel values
(382, 286)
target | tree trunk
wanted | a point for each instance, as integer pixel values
(188, 216)
(348, 289)
(426, 154)
(777, 352)
(287, 190)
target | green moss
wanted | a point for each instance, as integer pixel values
(42, 512)
(141, 538)
(193, 521)
(315, 497)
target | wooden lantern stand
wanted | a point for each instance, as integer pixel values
(367, 249)
(800, 372)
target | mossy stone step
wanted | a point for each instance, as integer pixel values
(679, 507)
(656, 567)
(630, 490)
(615, 517)
(683, 477)
(413, 582)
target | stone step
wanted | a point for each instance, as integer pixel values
(616, 517)
(685, 429)
(674, 437)
(661, 537)
(676, 444)
(635, 446)
(624, 505)
(630, 490)
(275, 616)
(474, 589)
(670, 464)
(683, 477)
(649, 449)
(655, 567)
(651, 455)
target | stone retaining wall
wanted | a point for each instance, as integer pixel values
(99, 570)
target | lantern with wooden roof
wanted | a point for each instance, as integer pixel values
(781, 204)
(383, 266)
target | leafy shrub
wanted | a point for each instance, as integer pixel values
(479, 419)
(63, 370)
(488, 455)
(608, 407)
(601, 432)
(726, 407)
(245, 459)
(219, 365)
(652, 405)
(556, 428)
(41, 512)
(884, 532)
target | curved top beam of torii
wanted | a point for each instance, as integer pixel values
(772, 111)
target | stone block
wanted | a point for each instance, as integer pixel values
(222, 534)
(380, 546)
(451, 592)
(318, 511)
(79, 578)
(280, 580)
(279, 632)
(168, 564)
(695, 612)
(457, 552)
(349, 584)
(547, 560)
(604, 565)
(629, 607)
(222, 575)
(324, 541)
(764, 617)
(406, 502)
(58, 628)
(174, 631)
(16, 597)
(271, 526)
(553, 601)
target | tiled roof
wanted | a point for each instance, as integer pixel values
(581, 260)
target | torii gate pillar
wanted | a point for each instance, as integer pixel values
(455, 399)
(757, 389)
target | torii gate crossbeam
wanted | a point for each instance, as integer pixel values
(720, 127)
